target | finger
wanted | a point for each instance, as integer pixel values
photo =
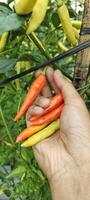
(50, 78)
(42, 102)
(28, 123)
(69, 92)
(46, 92)
(35, 110)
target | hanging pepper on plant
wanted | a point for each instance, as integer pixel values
(66, 24)
(3, 41)
(38, 14)
(24, 7)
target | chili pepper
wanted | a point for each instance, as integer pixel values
(77, 31)
(38, 15)
(41, 135)
(24, 7)
(62, 46)
(76, 23)
(49, 117)
(3, 41)
(33, 92)
(66, 24)
(55, 102)
(29, 132)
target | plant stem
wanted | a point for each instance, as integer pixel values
(6, 51)
(82, 66)
(17, 67)
(38, 43)
(41, 47)
(86, 86)
(4, 122)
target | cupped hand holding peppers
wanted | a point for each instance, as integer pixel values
(52, 110)
(65, 156)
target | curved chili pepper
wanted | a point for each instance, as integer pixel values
(33, 92)
(41, 135)
(38, 14)
(55, 102)
(66, 24)
(27, 132)
(24, 7)
(48, 118)
(3, 41)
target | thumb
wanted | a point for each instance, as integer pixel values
(70, 94)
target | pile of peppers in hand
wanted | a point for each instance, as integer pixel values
(42, 125)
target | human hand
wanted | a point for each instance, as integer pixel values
(65, 157)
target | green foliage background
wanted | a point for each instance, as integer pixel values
(20, 176)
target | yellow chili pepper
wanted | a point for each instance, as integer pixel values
(20, 65)
(24, 7)
(41, 135)
(66, 24)
(3, 41)
(77, 31)
(76, 23)
(62, 46)
(28, 132)
(38, 15)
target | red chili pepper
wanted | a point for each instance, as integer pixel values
(48, 118)
(33, 92)
(55, 102)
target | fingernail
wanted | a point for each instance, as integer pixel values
(37, 110)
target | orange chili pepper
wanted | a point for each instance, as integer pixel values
(55, 102)
(33, 92)
(43, 134)
(29, 132)
(48, 118)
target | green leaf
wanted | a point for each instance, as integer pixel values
(18, 172)
(5, 190)
(55, 19)
(7, 64)
(10, 22)
(4, 9)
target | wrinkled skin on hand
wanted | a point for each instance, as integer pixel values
(65, 157)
